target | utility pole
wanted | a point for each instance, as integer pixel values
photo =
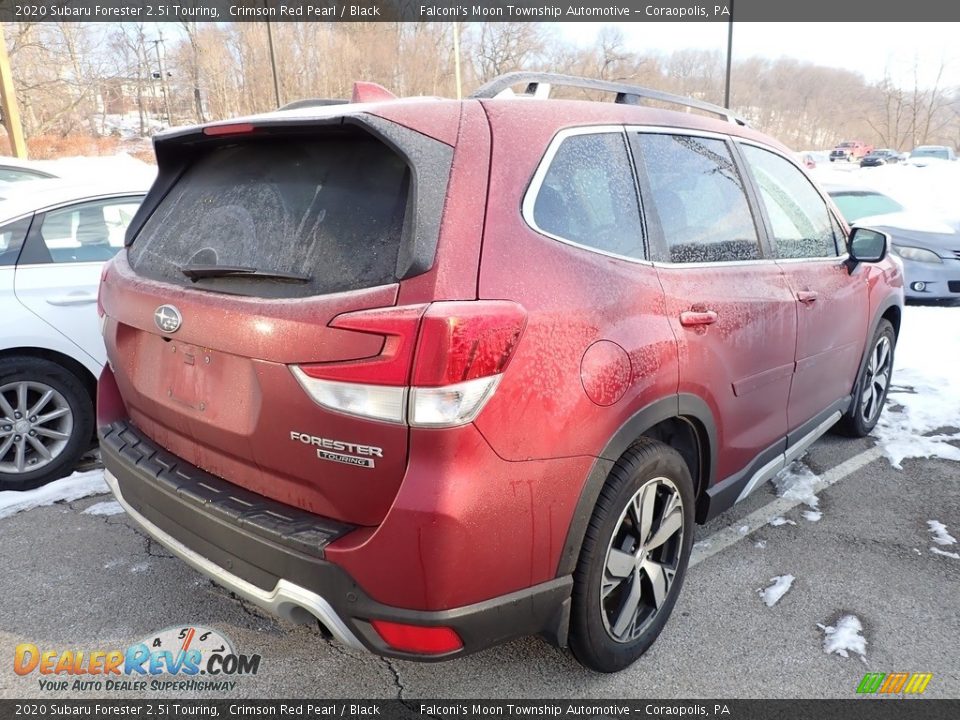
(726, 87)
(456, 59)
(273, 64)
(163, 75)
(8, 101)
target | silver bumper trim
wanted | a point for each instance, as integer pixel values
(284, 600)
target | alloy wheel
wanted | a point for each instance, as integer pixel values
(876, 378)
(642, 560)
(35, 426)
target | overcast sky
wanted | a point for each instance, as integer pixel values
(867, 48)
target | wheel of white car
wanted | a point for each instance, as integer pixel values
(46, 422)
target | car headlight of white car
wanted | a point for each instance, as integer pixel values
(917, 254)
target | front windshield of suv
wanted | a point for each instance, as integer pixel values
(859, 204)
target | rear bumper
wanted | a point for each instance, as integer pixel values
(273, 555)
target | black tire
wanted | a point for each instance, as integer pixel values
(854, 423)
(72, 391)
(642, 468)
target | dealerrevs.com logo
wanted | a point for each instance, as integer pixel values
(178, 659)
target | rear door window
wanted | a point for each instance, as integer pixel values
(330, 210)
(589, 197)
(698, 197)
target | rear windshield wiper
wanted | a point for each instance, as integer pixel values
(198, 272)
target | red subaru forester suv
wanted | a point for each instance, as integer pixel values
(441, 373)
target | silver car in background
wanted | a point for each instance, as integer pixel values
(929, 246)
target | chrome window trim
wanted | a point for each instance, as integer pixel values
(89, 199)
(666, 130)
(85, 263)
(533, 189)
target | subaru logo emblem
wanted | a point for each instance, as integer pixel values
(167, 318)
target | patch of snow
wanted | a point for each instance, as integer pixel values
(744, 529)
(844, 637)
(760, 544)
(940, 534)
(703, 544)
(140, 567)
(938, 551)
(917, 551)
(924, 390)
(778, 521)
(796, 482)
(108, 507)
(812, 515)
(780, 584)
(76, 486)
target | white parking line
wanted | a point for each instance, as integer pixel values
(722, 539)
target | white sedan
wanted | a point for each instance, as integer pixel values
(55, 236)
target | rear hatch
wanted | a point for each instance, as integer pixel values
(257, 259)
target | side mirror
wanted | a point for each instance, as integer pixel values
(867, 245)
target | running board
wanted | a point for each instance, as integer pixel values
(788, 456)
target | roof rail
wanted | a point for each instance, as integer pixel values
(538, 85)
(312, 102)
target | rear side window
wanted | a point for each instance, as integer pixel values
(330, 210)
(11, 240)
(699, 199)
(589, 196)
(800, 223)
(87, 232)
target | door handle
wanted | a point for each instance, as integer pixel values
(807, 296)
(73, 299)
(692, 318)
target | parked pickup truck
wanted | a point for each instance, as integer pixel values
(850, 150)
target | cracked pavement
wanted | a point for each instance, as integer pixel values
(91, 582)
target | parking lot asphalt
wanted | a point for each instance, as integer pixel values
(74, 580)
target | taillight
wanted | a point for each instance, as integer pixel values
(439, 365)
(231, 129)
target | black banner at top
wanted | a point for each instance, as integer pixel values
(854, 11)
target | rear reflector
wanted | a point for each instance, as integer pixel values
(418, 639)
(439, 365)
(232, 129)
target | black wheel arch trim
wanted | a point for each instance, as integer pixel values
(683, 406)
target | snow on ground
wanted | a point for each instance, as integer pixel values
(922, 416)
(778, 521)
(779, 585)
(796, 482)
(76, 486)
(844, 637)
(812, 515)
(940, 534)
(108, 507)
(938, 551)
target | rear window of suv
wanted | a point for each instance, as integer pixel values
(330, 210)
